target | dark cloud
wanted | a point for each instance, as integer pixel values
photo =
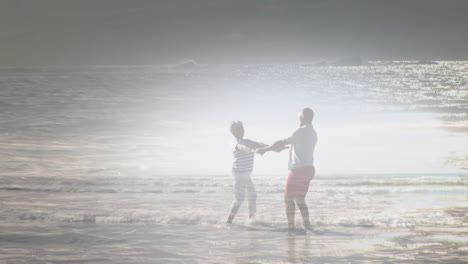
(68, 32)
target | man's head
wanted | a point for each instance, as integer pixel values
(305, 116)
(237, 129)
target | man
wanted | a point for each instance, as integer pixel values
(301, 165)
(243, 153)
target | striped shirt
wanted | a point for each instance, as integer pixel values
(243, 161)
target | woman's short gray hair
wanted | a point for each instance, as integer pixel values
(236, 125)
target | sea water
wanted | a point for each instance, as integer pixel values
(181, 219)
(98, 167)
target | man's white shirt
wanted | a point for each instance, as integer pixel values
(301, 151)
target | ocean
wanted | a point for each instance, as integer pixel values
(131, 165)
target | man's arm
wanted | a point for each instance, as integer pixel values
(277, 146)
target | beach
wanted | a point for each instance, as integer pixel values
(132, 164)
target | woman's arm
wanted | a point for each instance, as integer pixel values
(242, 147)
(260, 145)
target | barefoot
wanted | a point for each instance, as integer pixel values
(251, 217)
(308, 227)
(230, 218)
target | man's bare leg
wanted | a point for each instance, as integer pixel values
(290, 210)
(301, 204)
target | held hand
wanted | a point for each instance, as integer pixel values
(280, 148)
(261, 151)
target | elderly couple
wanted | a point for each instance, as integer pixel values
(301, 165)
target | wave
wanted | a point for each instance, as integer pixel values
(213, 219)
(391, 190)
(396, 183)
(75, 190)
(330, 189)
(116, 219)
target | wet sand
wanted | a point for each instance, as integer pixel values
(155, 243)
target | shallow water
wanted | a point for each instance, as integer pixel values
(181, 219)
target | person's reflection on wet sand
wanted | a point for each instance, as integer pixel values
(249, 246)
(292, 248)
(304, 252)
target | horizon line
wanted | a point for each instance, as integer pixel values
(311, 63)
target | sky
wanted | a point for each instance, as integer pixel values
(70, 33)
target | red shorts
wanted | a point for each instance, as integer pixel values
(298, 181)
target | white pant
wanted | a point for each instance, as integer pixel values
(242, 183)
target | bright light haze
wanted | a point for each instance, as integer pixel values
(354, 137)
